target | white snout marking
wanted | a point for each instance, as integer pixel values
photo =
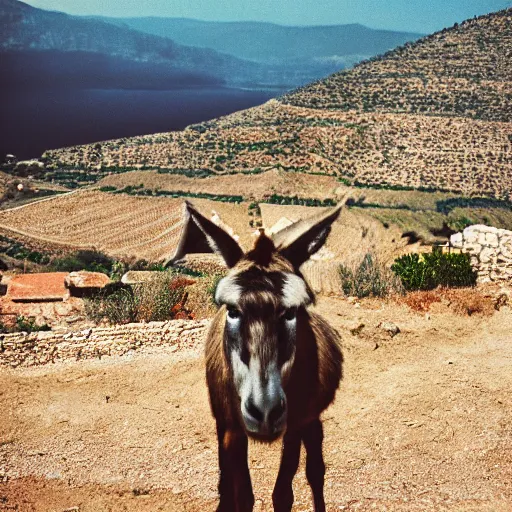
(249, 386)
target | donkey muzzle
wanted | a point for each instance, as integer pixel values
(265, 418)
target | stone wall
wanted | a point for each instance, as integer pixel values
(490, 250)
(40, 348)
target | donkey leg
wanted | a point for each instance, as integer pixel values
(227, 497)
(235, 487)
(313, 436)
(282, 497)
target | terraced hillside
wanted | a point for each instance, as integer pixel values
(430, 115)
(123, 225)
(465, 71)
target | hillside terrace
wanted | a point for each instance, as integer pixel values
(453, 154)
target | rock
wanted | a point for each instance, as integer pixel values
(356, 329)
(487, 254)
(84, 283)
(502, 299)
(390, 328)
(506, 246)
(85, 279)
(472, 248)
(491, 239)
(138, 276)
(470, 237)
(480, 228)
(73, 319)
(456, 240)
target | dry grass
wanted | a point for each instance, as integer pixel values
(461, 301)
(252, 187)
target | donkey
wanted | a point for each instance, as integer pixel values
(272, 366)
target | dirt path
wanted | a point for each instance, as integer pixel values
(421, 423)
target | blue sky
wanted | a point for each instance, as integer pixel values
(410, 15)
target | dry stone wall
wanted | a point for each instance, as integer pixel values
(40, 348)
(490, 250)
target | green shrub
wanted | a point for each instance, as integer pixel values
(368, 279)
(24, 324)
(93, 261)
(430, 270)
(158, 299)
(119, 307)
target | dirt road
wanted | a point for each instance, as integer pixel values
(422, 422)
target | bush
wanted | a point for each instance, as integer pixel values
(119, 307)
(93, 261)
(428, 271)
(162, 298)
(368, 279)
(24, 324)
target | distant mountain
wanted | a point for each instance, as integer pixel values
(180, 52)
(263, 42)
(435, 115)
(306, 53)
(25, 29)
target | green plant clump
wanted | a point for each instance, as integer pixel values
(24, 324)
(430, 270)
(158, 299)
(369, 279)
(93, 261)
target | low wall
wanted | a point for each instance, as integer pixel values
(490, 250)
(40, 348)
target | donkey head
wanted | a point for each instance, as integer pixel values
(263, 300)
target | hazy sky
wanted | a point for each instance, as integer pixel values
(410, 15)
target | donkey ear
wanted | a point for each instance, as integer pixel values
(200, 235)
(298, 242)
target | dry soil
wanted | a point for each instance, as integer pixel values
(421, 423)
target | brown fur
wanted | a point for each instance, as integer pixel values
(310, 389)
(313, 382)
(296, 353)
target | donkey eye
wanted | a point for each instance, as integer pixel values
(234, 313)
(290, 314)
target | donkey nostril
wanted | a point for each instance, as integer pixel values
(254, 411)
(277, 412)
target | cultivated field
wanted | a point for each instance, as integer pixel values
(119, 225)
(251, 187)
(467, 156)
(149, 227)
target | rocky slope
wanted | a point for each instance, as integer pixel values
(433, 115)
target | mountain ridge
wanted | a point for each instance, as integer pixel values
(26, 28)
(258, 41)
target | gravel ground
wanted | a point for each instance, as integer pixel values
(421, 423)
